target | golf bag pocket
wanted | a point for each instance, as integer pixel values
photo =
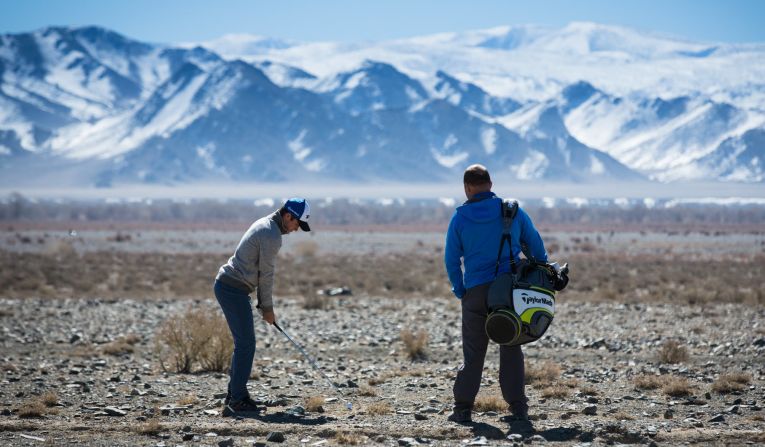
(521, 307)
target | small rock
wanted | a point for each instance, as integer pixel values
(226, 443)
(480, 440)
(759, 342)
(717, 418)
(420, 417)
(515, 437)
(188, 436)
(733, 410)
(669, 414)
(407, 442)
(536, 438)
(592, 400)
(114, 411)
(707, 396)
(590, 410)
(275, 436)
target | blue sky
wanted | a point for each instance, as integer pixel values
(345, 20)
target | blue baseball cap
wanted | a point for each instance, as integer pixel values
(300, 210)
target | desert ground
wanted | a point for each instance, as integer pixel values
(111, 336)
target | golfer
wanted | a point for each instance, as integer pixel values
(473, 240)
(252, 268)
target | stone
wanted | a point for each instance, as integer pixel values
(733, 409)
(420, 417)
(226, 443)
(515, 437)
(717, 418)
(188, 436)
(407, 442)
(590, 410)
(536, 438)
(114, 411)
(592, 400)
(275, 436)
(668, 414)
(479, 440)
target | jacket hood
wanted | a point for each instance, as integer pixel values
(487, 208)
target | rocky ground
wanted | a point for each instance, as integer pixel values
(86, 370)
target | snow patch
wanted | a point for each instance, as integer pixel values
(489, 140)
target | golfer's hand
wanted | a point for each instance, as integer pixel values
(269, 317)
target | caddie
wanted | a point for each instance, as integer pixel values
(472, 242)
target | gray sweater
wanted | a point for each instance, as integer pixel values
(252, 266)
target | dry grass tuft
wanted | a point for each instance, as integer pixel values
(366, 390)
(188, 399)
(198, 338)
(348, 438)
(151, 427)
(677, 387)
(556, 391)
(672, 351)
(622, 416)
(49, 399)
(32, 409)
(728, 383)
(415, 343)
(118, 348)
(379, 408)
(314, 404)
(646, 382)
(490, 403)
(542, 375)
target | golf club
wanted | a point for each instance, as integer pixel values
(348, 405)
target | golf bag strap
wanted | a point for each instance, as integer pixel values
(509, 210)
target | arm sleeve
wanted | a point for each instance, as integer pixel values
(530, 236)
(268, 252)
(452, 258)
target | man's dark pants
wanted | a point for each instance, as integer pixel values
(474, 344)
(238, 311)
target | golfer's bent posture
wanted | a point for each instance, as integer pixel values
(252, 268)
(473, 239)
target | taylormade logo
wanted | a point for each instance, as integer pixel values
(536, 300)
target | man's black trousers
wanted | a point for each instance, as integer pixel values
(474, 344)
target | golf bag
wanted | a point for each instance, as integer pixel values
(521, 302)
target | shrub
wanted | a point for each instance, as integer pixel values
(198, 337)
(378, 408)
(415, 343)
(490, 403)
(49, 399)
(347, 438)
(32, 409)
(646, 382)
(555, 391)
(314, 404)
(544, 374)
(728, 383)
(672, 351)
(677, 387)
(366, 390)
(122, 345)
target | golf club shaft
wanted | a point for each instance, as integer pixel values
(311, 361)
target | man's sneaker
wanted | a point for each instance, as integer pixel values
(244, 407)
(460, 416)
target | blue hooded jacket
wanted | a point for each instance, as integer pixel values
(473, 238)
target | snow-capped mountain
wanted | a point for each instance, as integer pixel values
(587, 103)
